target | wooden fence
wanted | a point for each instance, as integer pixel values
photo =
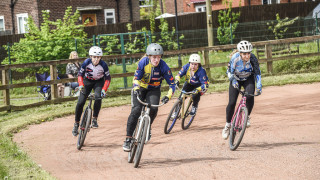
(5, 87)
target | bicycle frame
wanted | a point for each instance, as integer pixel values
(184, 96)
(242, 103)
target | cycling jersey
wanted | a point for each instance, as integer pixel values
(92, 72)
(148, 76)
(199, 79)
(243, 71)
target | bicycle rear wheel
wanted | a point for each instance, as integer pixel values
(238, 129)
(140, 142)
(84, 127)
(173, 116)
(132, 152)
(187, 120)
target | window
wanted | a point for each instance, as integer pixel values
(109, 15)
(200, 8)
(22, 23)
(270, 1)
(2, 28)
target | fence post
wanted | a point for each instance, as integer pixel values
(231, 33)
(206, 63)
(53, 75)
(6, 92)
(94, 40)
(10, 75)
(268, 52)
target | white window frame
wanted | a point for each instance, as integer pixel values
(4, 27)
(22, 15)
(202, 7)
(269, 2)
(108, 11)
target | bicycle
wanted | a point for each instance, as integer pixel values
(239, 121)
(140, 137)
(175, 113)
(85, 123)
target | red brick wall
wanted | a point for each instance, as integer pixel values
(57, 9)
(170, 8)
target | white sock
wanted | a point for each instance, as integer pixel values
(228, 124)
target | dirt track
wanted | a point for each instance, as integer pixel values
(283, 142)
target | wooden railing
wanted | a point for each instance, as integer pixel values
(5, 87)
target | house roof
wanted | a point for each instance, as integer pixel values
(89, 8)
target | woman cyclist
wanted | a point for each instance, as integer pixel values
(93, 74)
(146, 84)
(196, 80)
(243, 70)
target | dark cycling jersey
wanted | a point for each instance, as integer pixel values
(149, 77)
(199, 79)
(92, 72)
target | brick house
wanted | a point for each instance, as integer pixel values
(191, 6)
(98, 12)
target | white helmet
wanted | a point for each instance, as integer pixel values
(195, 58)
(244, 46)
(95, 51)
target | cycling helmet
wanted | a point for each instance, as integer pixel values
(154, 49)
(244, 46)
(195, 58)
(95, 51)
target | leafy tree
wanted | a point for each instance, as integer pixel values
(53, 40)
(225, 18)
(280, 26)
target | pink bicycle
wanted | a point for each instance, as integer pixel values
(239, 121)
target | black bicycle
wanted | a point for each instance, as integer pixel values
(140, 135)
(85, 123)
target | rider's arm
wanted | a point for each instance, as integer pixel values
(82, 71)
(231, 66)
(203, 78)
(107, 76)
(167, 74)
(256, 70)
(138, 74)
(182, 72)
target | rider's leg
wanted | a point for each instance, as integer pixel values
(249, 86)
(97, 103)
(82, 99)
(233, 96)
(153, 97)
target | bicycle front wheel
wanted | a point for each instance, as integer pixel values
(173, 116)
(187, 120)
(132, 152)
(84, 127)
(140, 142)
(238, 128)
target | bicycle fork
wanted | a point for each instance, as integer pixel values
(147, 120)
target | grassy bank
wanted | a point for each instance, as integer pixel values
(15, 164)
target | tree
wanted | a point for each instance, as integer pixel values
(280, 26)
(225, 18)
(53, 40)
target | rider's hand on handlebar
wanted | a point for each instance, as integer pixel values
(81, 88)
(137, 92)
(235, 84)
(259, 91)
(103, 93)
(165, 99)
(177, 83)
(195, 91)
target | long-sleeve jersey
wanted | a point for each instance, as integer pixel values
(199, 79)
(243, 71)
(148, 76)
(92, 72)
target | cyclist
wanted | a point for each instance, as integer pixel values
(196, 80)
(146, 84)
(93, 74)
(243, 70)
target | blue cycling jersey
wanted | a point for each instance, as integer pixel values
(199, 79)
(149, 76)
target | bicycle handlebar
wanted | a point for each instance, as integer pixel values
(147, 104)
(91, 96)
(244, 93)
(184, 92)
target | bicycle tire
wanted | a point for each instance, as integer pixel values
(176, 108)
(85, 123)
(186, 116)
(240, 128)
(132, 152)
(140, 143)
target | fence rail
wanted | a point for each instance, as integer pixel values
(5, 87)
